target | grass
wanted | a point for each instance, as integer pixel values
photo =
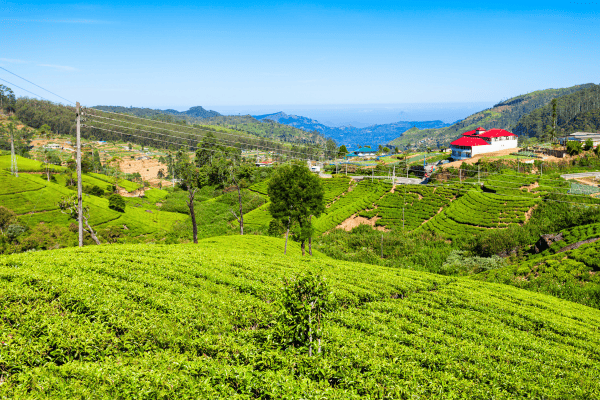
(193, 321)
(26, 164)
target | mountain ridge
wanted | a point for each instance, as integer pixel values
(504, 115)
(348, 134)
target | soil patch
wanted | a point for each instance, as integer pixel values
(356, 220)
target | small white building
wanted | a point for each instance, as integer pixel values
(52, 146)
(480, 141)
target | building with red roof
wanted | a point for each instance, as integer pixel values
(479, 141)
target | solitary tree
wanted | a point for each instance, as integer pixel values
(296, 196)
(69, 206)
(193, 178)
(342, 151)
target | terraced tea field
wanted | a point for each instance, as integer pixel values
(194, 321)
(35, 200)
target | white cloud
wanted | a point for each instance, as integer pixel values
(59, 67)
(12, 61)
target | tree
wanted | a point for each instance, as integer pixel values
(296, 196)
(7, 217)
(574, 147)
(386, 150)
(238, 174)
(342, 151)
(589, 144)
(7, 98)
(116, 202)
(330, 147)
(206, 149)
(69, 206)
(193, 178)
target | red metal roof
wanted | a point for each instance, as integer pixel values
(479, 129)
(496, 133)
(469, 141)
(489, 134)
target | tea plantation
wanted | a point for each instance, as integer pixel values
(196, 321)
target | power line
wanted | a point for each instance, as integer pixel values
(37, 95)
(178, 125)
(188, 133)
(149, 138)
(36, 85)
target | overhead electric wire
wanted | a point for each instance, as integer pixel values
(182, 126)
(186, 133)
(37, 95)
(36, 85)
(145, 137)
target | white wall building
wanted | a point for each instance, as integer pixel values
(582, 137)
(480, 141)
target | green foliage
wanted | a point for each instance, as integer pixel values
(116, 202)
(194, 321)
(588, 145)
(296, 195)
(303, 302)
(460, 263)
(505, 115)
(572, 275)
(7, 217)
(574, 147)
(576, 111)
(13, 231)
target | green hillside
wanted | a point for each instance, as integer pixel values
(151, 130)
(576, 112)
(195, 321)
(504, 115)
(572, 274)
(35, 202)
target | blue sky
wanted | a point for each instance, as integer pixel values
(226, 53)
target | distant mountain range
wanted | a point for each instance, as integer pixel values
(193, 113)
(350, 135)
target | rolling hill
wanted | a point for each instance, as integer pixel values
(579, 111)
(195, 321)
(504, 115)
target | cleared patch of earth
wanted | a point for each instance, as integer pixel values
(356, 220)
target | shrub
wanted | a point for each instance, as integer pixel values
(116, 202)
(94, 190)
(14, 231)
(458, 263)
(589, 144)
(573, 147)
(7, 217)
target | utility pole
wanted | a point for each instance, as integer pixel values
(79, 194)
(394, 176)
(403, 205)
(13, 157)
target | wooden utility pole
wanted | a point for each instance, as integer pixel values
(79, 189)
